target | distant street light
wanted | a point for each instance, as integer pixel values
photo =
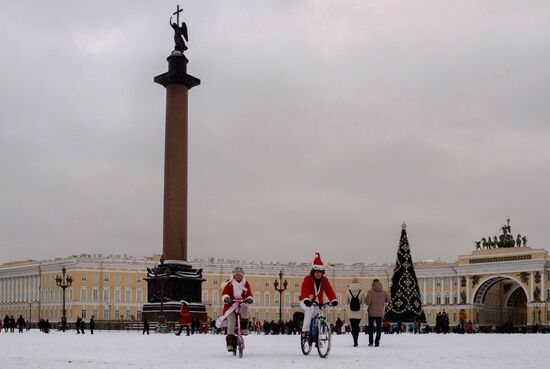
(283, 285)
(64, 282)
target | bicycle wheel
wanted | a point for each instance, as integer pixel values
(323, 339)
(305, 343)
(240, 345)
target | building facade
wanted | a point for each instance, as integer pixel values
(492, 286)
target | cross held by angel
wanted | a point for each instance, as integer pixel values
(180, 32)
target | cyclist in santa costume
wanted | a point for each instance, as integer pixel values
(314, 286)
(236, 287)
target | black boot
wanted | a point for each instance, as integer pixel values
(244, 327)
(230, 341)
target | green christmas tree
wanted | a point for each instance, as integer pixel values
(406, 302)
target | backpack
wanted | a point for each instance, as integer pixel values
(354, 304)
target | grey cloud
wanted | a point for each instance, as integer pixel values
(318, 126)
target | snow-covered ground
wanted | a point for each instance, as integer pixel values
(132, 350)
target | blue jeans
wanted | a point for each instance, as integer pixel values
(378, 321)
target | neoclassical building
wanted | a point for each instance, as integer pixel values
(493, 286)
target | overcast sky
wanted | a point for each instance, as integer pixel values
(318, 126)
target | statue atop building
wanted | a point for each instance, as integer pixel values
(504, 240)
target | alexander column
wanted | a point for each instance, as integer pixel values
(174, 279)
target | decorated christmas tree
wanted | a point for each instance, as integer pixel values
(406, 302)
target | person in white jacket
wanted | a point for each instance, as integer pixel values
(355, 308)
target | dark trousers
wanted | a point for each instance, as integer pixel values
(378, 321)
(355, 329)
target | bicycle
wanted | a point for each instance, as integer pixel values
(238, 332)
(319, 334)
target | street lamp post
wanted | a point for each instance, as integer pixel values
(64, 282)
(163, 274)
(280, 289)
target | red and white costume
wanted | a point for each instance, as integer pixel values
(233, 290)
(314, 292)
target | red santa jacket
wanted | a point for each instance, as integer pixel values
(184, 316)
(308, 290)
(228, 291)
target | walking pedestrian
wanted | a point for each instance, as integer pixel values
(355, 307)
(184, 319)
(77, 325)
(376, 299)
(92, 325)
(145, 326)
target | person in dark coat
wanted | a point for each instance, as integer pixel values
(145, 326)
(20, 323)
(92, 325)
(6, 323)
(12, 324)
(82, 326)
(78, 322)
(63, 324)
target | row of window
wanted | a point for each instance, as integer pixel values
(117, 277)
(117, 295)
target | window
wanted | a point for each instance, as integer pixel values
(438, 282)
(83, 294)
(83, 314)
(127, 314)
(215, 297)
(438, 298)
(296, 283)
(430, 299)
(117, 277)
(266, 283)
(276, 298)
(96, 277)
(447, 298)
(106, 314)
(106, 277)
(257, 297)
(117, 294)
(286, 300)
(106, 294)
(266, 298)
(266, 316)
(138, 295)
(256, 284)
(129, 277)
(117, 314)
(138, 280)
(337, 284)
(204, 296)
(95, 295)
(138, 315)
(128, 295)
(83, 276)
(215, 282)
(296, 297)
(94, 313)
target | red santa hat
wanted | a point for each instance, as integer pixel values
(318, 263)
